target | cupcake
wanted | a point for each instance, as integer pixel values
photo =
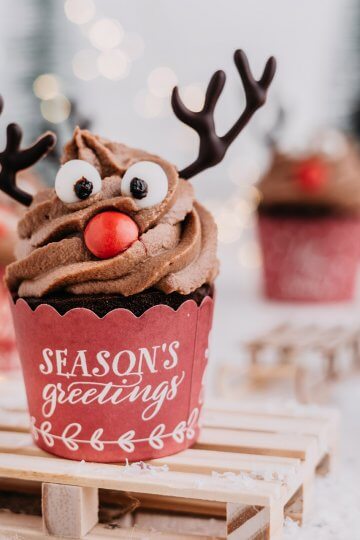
(309, 224)
(113, 289)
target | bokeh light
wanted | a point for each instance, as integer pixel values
(228, 230)
(84, 65)
(133, 45)
(56, 110)
(79, 11)
(46, 86)
(332, 143)
(193, 96)
(255, 196)
(146, 105)
(114, 64)
(244, 169)
(249, 255)
(161, 81)
(106, 34)
(232, 217)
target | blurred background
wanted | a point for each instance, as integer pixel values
(111, 65)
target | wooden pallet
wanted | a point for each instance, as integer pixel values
(306, 358)
(249, 469)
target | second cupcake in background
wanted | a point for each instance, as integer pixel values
(309, 223)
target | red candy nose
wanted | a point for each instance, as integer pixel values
(312, 174)
(109, 233)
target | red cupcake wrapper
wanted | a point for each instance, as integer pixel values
(9, 359)
(310, 259)
(114, 388)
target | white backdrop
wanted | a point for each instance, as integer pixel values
(192, 38)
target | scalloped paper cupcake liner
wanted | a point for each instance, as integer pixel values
(309, 260)
(115, 388)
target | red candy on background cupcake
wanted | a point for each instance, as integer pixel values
(309, 223)
(112, 289)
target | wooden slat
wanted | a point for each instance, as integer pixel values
(309, 336)
(275, 424)
(304, 447)
(236, 438)
(14, 420)
(29, 528)
(271, 409)
(187, 485)
(188, 460)
(210, 460)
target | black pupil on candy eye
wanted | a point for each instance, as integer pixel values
(138, 188)
(83, 188)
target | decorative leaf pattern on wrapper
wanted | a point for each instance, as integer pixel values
(69, 438)
(45, 430)
(95, 441)
(179, 432)
(190, 432)
(127, 441)
(155, 439)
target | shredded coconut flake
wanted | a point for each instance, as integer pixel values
(140, 467)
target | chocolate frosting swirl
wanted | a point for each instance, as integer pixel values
(340, 192)
(175, 251)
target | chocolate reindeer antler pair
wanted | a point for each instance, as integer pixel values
(212, 147)
(13, 160)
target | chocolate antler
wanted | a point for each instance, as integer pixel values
(212, 147)
(13, 160)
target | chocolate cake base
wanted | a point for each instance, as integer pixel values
(300, 211)
(137, 303)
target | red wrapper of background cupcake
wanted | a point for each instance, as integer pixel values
(8, 222)
(10, 212)
(309, 225)
(112, 290)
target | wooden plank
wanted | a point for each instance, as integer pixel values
(29, 528)
(172, 523)
(245, 439)
(169, 483)
(192, 460)
(270, 409)
(304, 447)
(14, 420)
(275, 424)
(309, 336)
(210, 460)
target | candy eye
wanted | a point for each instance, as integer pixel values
(146, 182)
(76, 180)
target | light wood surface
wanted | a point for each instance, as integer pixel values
(253, 466)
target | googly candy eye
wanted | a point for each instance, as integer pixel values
(146, 182)
(77, 180)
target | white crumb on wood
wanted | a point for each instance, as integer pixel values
(141, 468)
